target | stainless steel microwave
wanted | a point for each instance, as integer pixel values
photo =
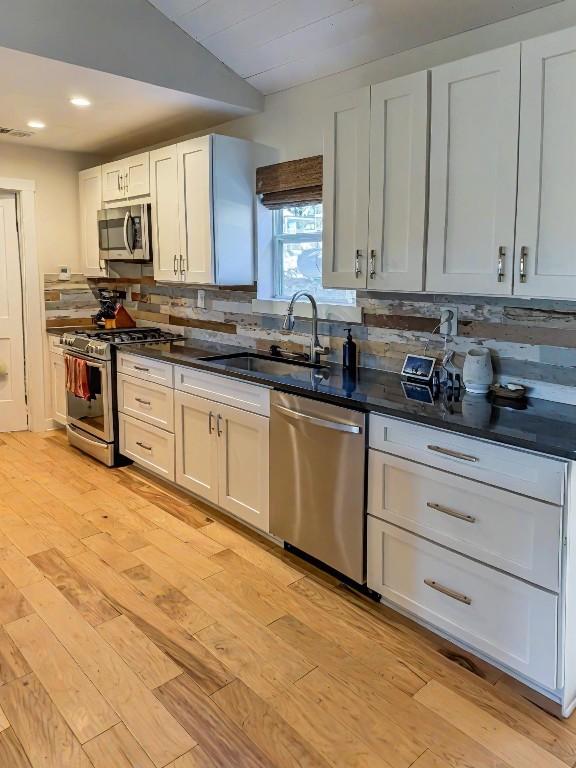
(124, 232)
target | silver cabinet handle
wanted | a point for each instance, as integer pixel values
(182, 270)
(357, 268)
(142, 402)
(140, 368)
(523, 264)
(175, 264)
(452, 454)
(125, 182)
(210, 423)
(372, 264)
(501, 259)
(451, 512)
(336, 425)
(144, 446)
(118, 178)
(218, 421)
(449, 592)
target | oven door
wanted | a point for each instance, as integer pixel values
(123, 233)
(93, 416)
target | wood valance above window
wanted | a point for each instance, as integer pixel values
(296, 182)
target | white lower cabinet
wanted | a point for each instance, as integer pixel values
(196, 446)
(511, 621)
(58, 387)
(222, 456)
(146, 445)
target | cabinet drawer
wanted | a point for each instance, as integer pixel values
(54, 344)
(511, 621)
(223, 389)
(527, 473)
(146, 445)
(510, 532)
(145, 368)
(146, 401)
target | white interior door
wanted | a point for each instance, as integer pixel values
(398, 175)
(13, 413)
(165, 220)
(473, 173)
(345, 191)
(195, 207)
(545, 263)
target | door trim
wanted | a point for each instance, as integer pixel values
(32, 300)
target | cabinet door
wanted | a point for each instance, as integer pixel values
(137, 175)
(546, 228)
(165, 231)
(398, 170)
(196, 445)
(243, 465)
(113, 181)
(195, 210)
(473, 173)
(58, 387)
(346, 189)
(90, 194)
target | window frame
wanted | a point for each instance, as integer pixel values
(278, 239)
(266, 303)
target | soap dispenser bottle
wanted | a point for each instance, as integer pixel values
(349, 353)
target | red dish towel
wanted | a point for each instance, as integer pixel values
(77, 378)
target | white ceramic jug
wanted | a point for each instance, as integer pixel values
(478, 371)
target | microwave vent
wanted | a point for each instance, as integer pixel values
(15, 132)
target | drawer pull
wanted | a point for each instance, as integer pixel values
(449, 592)
(452, 454)
(144, 446)
(451, 512)
(142, 402)
(140, 368)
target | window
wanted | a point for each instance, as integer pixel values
(298, 255)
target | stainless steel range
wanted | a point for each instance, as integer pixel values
(91, 410)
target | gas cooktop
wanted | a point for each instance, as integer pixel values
(98, 343)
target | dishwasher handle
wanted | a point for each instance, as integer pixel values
(336, 425)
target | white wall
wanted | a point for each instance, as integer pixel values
(292, 119)
(57, 215)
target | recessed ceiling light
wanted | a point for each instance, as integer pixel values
(80, 101)
(36, 124)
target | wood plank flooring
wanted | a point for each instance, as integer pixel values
(140, 629)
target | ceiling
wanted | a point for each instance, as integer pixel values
(276, 44)
(125, 114)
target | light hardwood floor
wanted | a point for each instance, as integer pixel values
(139, 629)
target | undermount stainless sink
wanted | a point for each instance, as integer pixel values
(266, 364)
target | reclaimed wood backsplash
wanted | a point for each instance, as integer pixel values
(530, 340)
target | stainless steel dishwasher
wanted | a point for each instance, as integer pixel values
(317, 465)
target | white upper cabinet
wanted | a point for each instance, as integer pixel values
(398, 174)
(346, 190)
(90, 198)
(203, 211)
(545, 263)
(165, 220)
(125, 178)
(473, 173)
(195, 206)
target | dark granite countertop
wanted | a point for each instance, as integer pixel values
(543, 426)
(61, 330)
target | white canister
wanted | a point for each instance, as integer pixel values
(478, 373)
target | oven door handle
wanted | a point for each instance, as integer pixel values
(127, 218)
(88, 361)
